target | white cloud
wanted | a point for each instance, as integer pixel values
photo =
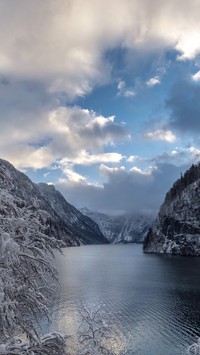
(132, 158)
(122, 190)
(125, 91)
(26, 156)
(76, 134)
(188, 42)
(53, 51)
(178, 156)
(141, 189)
(129, 93)
(194, 151)
(121, 85)
(162, 135)
(62, 43)
(72, 176)
(100, 120)
(174, 152)
(196, 76)
(139, 171)
(107, 170)
(153, 81)
(85, 158)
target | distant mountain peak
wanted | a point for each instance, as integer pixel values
(126, 228)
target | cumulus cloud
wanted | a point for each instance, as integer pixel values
(104, 169)
(121, 85)
(194, 151)
(129, 93)
(153, 81)
(139, 171)
(196, 76)
(72, 176)
(63, 43)
(124, 91)
(162, 135)
(71, 133)
(180, 156)
(55, 51)
(84, 158)
(52, 43)
(124, 191)
(132, 158)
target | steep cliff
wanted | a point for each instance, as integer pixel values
(126, 228)
(60, 219)
(178, 223)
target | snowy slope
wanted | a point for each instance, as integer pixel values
(178, 225)
(61, 220)
(127, 228)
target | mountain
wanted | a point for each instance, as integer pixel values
(127, 228)
(61, 220)
(178, 224)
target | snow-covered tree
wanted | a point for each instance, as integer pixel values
(96, 331)
(50, 344)
(194, 349)
(27, 276)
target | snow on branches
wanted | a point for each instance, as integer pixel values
(50, 344)
(194, 349)
(25, 272)
(96, 331)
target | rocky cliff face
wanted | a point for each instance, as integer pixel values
(60, 219)
(178, 223)
(127, 228)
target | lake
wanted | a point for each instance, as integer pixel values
(154, 300)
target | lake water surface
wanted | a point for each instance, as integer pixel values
(154, 299)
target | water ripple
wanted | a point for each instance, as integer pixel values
(154, 300)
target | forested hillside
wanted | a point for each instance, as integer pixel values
(178, 223)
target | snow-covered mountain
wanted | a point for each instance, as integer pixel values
(61, 220)
(178, 225)
(127, 228)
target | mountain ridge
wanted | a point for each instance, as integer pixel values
(178, 223)
(126, 228)
(63, 221)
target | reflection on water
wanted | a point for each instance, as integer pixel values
(154, 299)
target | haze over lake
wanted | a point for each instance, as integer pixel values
(154, 299)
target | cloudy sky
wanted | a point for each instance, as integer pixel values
(101, 98)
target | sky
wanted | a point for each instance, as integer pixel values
(101, 98)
